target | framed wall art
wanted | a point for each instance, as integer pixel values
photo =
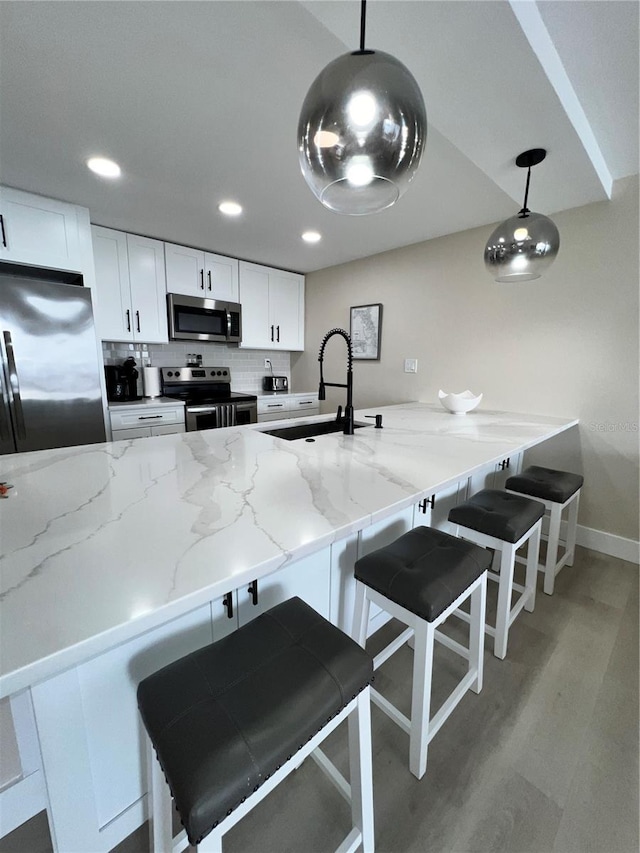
(366, 331)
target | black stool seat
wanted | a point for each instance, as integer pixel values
(224, 718)
(424, 570)
(545, 483)
(497, 513)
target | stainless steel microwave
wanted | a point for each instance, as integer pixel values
(192, 318)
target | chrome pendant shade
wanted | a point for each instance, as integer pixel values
(524, 246)
(361, 132)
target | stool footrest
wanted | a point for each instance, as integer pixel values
(351, 843)
(456, 647)
(332, 773)
(392, 648)
(391, 711)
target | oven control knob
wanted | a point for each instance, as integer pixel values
(224, 372)
(177, 373)
(170, 373)
(219, 373)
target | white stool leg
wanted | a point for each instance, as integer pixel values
(505, 589)
(552, 549)
(360, 615)
(531, 577)
(161, 806)
(421, 698)
(572, 528)
(361, 771)
(211, 844)
(476, 632)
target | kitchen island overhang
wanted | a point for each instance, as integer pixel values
(102, 543)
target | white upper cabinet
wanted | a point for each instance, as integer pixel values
(272, 308)
(195, 273)
(130, 288)
(41, 231)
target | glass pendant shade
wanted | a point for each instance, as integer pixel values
(361, 132)
(521, 248)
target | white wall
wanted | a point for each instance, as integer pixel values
(566, 344)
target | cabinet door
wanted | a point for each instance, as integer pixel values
(91, 735)
(221, 277)
(224, 615)
(185, 269)
(286, 310)
(307, 578)
(167, 429)
(254, 297)
(148, 289)
(39, 231)
(112, 293)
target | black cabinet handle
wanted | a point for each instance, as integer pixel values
(128, 320)
(149, 417)
(253, 592)
(4, 236)
(201, 279)
(278, 334)
(209, 277)
(137, 321)
(272, 334)
(425, 503)
(227, 602)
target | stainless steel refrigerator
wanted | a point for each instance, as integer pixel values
(50, 394)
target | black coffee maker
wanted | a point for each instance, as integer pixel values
(122, 384)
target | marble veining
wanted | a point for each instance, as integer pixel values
(101, 542)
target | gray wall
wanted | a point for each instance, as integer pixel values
(566, 344)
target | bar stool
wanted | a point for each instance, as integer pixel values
(504, 522)
(557, 490)
(230, 721)
(420, 579)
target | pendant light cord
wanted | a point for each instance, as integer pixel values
(363, 19)
(525, 210)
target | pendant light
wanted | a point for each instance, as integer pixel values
(361, 131)
(523, 247)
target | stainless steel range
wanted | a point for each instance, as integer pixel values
(209, 401)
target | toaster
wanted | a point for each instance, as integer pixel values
(275, 383)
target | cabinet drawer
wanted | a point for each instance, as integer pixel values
(273, 406)
(307, 401)
(138, 417)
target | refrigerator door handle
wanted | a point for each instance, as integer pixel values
(14, 385)
(5, 423)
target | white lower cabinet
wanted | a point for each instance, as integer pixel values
(91, 736)
(275, 408)
(131, 421)
(494, 476)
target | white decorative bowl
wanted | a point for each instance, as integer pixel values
(459, 404)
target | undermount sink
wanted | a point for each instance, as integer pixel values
(309, 430)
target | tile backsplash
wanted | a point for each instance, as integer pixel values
(247, 366)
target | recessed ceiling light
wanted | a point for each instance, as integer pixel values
(103, 167)
(230, 208)
(311, 236)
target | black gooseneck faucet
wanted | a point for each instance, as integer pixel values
(348, 412)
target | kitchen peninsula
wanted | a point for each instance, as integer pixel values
(119, 557)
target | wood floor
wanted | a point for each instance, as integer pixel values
(544, 759)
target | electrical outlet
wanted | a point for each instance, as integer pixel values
(267, 363)
(411, 365)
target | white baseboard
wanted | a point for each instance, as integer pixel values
(608, 543)
(599, 540)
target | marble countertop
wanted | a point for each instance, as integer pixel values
(102, 542)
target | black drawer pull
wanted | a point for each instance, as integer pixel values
(253, 592)
(227, 602)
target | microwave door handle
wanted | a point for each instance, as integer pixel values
(14, 386)
(228, 324)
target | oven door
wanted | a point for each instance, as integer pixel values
(210, 417)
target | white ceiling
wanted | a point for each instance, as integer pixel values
(199, 101)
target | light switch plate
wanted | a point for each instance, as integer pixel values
(411, 365)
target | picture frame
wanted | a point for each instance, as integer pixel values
(365, 329)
